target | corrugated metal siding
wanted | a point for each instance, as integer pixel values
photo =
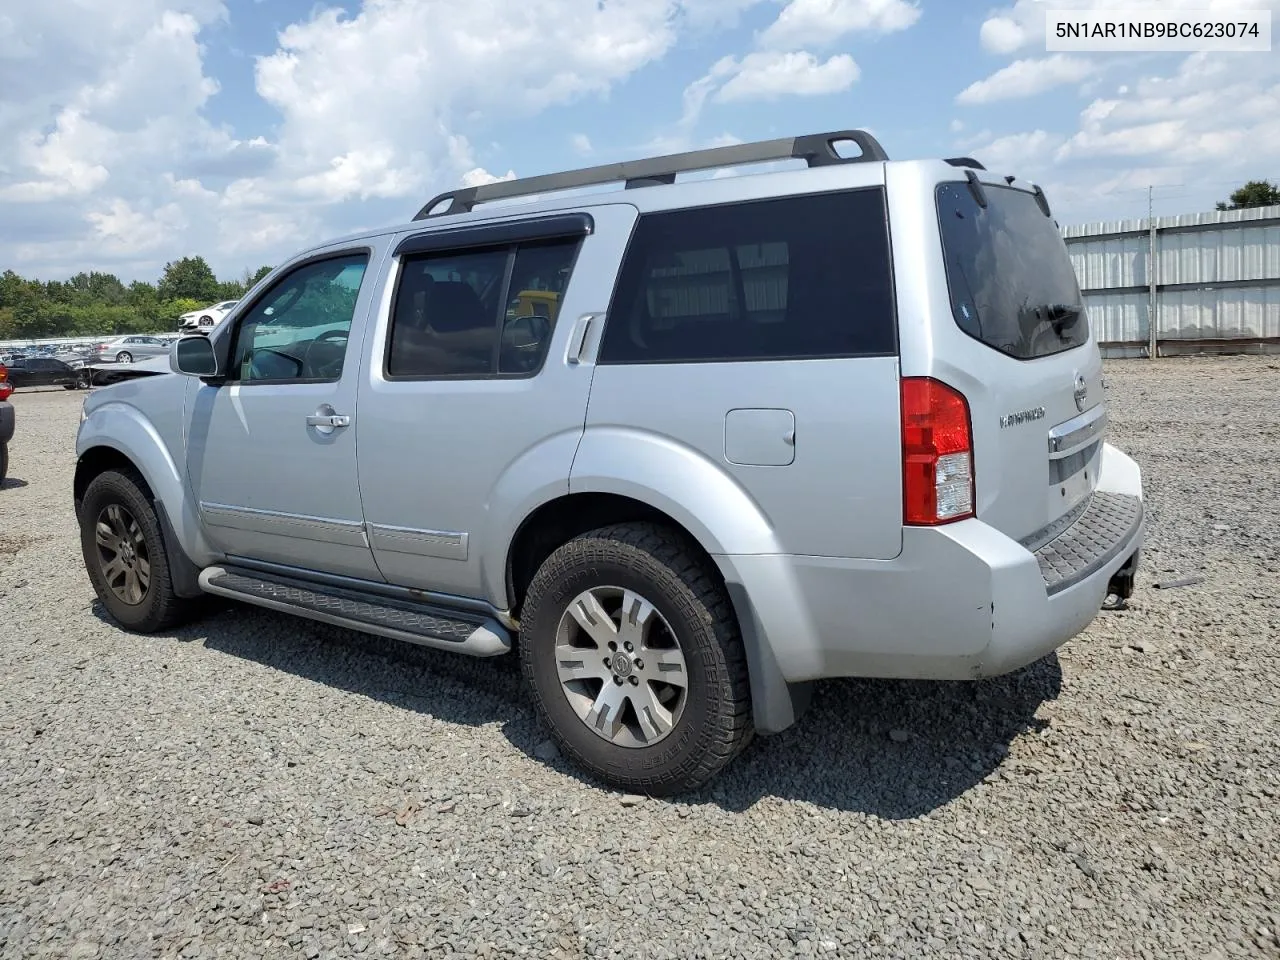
(1249, 313)
(1240, 247)
(1117, 317)
(1114, 262)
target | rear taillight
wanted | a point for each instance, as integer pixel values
(937, 453)
(6, 388)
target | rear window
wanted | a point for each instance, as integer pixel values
(786, 279)
(1012, 284)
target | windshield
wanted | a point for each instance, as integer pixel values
(1012, 284)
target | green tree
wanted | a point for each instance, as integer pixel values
(256, 276)
(190, 277)
(1255, 193)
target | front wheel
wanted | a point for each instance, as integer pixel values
(124, 554)
(124, 356)
(632, 652)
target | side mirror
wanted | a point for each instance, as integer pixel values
(193, 356)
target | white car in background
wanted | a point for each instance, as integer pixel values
(205, 319)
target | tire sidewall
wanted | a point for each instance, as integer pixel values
(106, 489)
(694, 631)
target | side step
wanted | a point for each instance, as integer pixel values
(468, 633)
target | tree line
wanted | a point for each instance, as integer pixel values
(98, 304)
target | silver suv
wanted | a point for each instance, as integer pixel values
(687, 446)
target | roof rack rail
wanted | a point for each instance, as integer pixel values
(965, 162)
(817, 149)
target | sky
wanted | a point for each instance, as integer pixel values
(134, 132)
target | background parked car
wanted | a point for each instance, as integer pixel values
(204, 320)
(46, 372)
(130, 348)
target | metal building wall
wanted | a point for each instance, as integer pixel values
(1216, 277)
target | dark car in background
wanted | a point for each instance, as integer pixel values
(46, 372)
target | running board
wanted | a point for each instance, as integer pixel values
(468, 633)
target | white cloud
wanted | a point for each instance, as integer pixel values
(547, 52)
(108, 160)
(1003, 34)
(581, 143)
(479, 176)
(781, 66)
(768, 76)
(1025, 155)
(1026, 78)
(804, 23)
(1211, 111)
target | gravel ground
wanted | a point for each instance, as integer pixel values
(262, 786)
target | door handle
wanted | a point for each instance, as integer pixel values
(328, 420)
(578, 337)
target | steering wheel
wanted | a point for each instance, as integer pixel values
(331, 365)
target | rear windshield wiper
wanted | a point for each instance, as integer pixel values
(1061, 316)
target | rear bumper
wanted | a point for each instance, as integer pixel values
(6, 421)
(962, 601)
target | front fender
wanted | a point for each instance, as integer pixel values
(121, 427)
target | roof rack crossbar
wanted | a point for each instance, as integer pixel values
(817, 150)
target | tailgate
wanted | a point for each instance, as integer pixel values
(1038, 411)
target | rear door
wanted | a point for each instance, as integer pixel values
(1013, 328)
(473, 401)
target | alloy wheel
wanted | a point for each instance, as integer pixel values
(621, 667)
(122, 554)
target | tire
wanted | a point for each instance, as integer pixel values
(158, 608)
(124, 356)
(73, 385)
(709, 722)
(4, 461)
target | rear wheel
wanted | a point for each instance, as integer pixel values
(124, 356)
(632, 652)
(124, 554)
(4, 461)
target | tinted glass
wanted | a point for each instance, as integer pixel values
(446, 314)
(299, 329)
(793, 278)
(1012, 284)
(538, 283)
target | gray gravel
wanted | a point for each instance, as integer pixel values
(261, 786)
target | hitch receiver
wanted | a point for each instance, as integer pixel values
(1121, 583)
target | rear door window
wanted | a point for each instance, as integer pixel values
(476, 313)
(1011, 282)
(794, 278)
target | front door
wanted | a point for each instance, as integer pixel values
(271, 452)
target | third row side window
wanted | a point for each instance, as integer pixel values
(784, 279)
